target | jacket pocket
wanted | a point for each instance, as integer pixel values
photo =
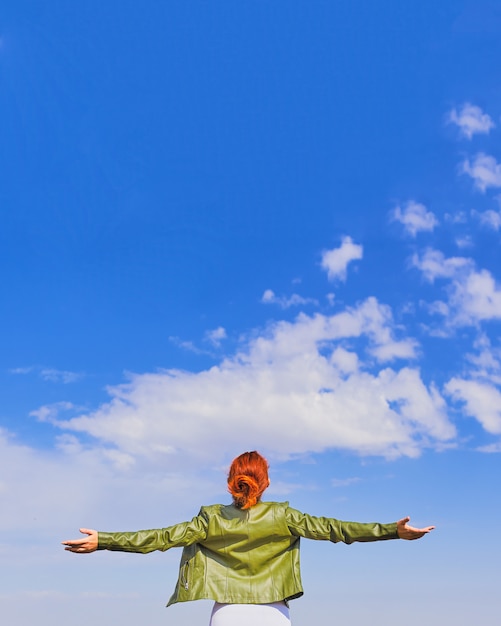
(184, 575)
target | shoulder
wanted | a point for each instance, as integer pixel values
(275, 505)
(229, 509)
(209, 508)
(270, 510)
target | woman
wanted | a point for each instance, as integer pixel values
(244, 556)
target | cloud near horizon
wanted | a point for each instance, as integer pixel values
(346, 381)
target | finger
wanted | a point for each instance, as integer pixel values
(426, 530)
(80, 549)
(404, 520)
(75, 542)
(421, 530)
(85, 531)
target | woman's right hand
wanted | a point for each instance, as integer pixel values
(84, 545)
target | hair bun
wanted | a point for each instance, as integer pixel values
(247, 479)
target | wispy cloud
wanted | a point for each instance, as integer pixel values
(415, 218)
(489, 218)
(216, 336)
(187, 345)
(59, 376)
(459, 217)
(484, 169)
(477, 390)
(284, 302)
(21, 370)
(433, 264)
(344, 482)
(472, 295)
(50, 412)
(336, 261)
(484, 362)
(471, 120)
(73, 481)
(466, 241)
(49, 374)
(481, 400)
(492, 448)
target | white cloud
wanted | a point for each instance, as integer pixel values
(44, 480)
(486, 360)
(216, 336)
(415, 218)
(490, 218)
(59, 376)
(189, 346)
(473, 295)
(391, 350)
(481, 400)
(485, 171)
(464, 242)
(471, 120)
(21, 370)
(492, 448)
(477, 297)
(460, 217)
(345, 361)
(49, 374)
(50, 412)
(70, 486)
(269, 297)
(478, 390)
(344, 482)
(433, 264)
(438, 307)
(292, 390)
(336, 261)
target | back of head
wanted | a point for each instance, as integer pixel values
(247, 479)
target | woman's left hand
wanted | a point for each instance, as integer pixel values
(409, 532)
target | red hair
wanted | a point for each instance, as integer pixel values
(247, 479)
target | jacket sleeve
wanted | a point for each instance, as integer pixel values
(330, 529)
(144, 541)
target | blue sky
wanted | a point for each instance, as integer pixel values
(250, 225)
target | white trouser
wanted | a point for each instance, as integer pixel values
(274, 614)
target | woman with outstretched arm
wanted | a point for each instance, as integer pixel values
(245, 555)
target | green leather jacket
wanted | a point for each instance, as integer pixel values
(243, 557)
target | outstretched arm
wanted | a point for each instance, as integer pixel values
(142, 541)
(409, 532)
(84, 545)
